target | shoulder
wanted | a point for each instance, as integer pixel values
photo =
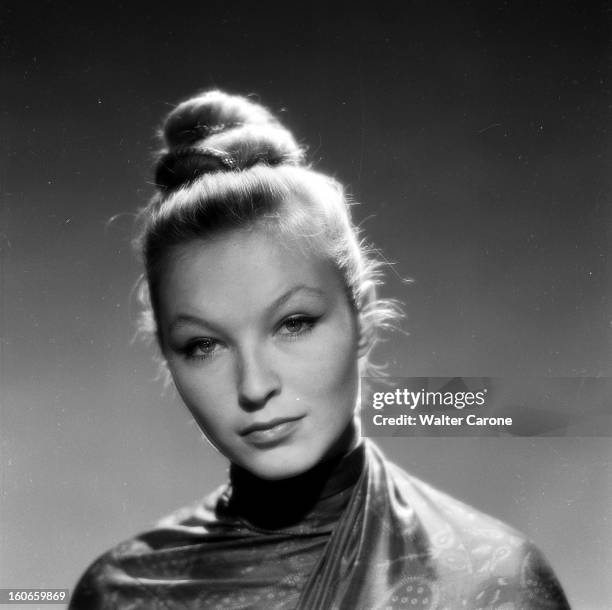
(493, 559)
(94, 589)
(442, 516)
(201, 515)
(440, 510)
(103, 584)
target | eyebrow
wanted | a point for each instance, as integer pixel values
(185, 319)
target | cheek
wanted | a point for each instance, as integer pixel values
(330, 370)
(337, 373)
(206, 396)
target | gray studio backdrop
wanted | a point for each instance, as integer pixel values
(472, 134)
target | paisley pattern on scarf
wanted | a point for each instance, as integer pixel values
(357, 533)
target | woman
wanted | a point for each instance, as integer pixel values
(261, 297)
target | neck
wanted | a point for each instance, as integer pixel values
(274, 504)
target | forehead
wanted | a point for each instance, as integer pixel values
(242, 268)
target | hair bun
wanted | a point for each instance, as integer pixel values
(216, 131)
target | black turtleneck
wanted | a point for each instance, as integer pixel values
(319, 494)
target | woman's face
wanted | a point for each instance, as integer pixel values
(262, 345)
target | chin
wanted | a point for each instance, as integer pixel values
(276, 466)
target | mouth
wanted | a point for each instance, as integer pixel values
(271, 432)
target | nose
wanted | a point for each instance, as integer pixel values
(258, 381)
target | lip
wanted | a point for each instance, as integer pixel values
(271, 432)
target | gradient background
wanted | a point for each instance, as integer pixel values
(475, 134)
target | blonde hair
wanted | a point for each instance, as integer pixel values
(229, 164)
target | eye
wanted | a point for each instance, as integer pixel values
(297, 325)
(201, 349)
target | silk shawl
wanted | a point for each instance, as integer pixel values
(403, 544)
(397, 543)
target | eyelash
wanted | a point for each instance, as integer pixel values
(189, 349)
(308, 321)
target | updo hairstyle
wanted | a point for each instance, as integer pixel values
(227, 163)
